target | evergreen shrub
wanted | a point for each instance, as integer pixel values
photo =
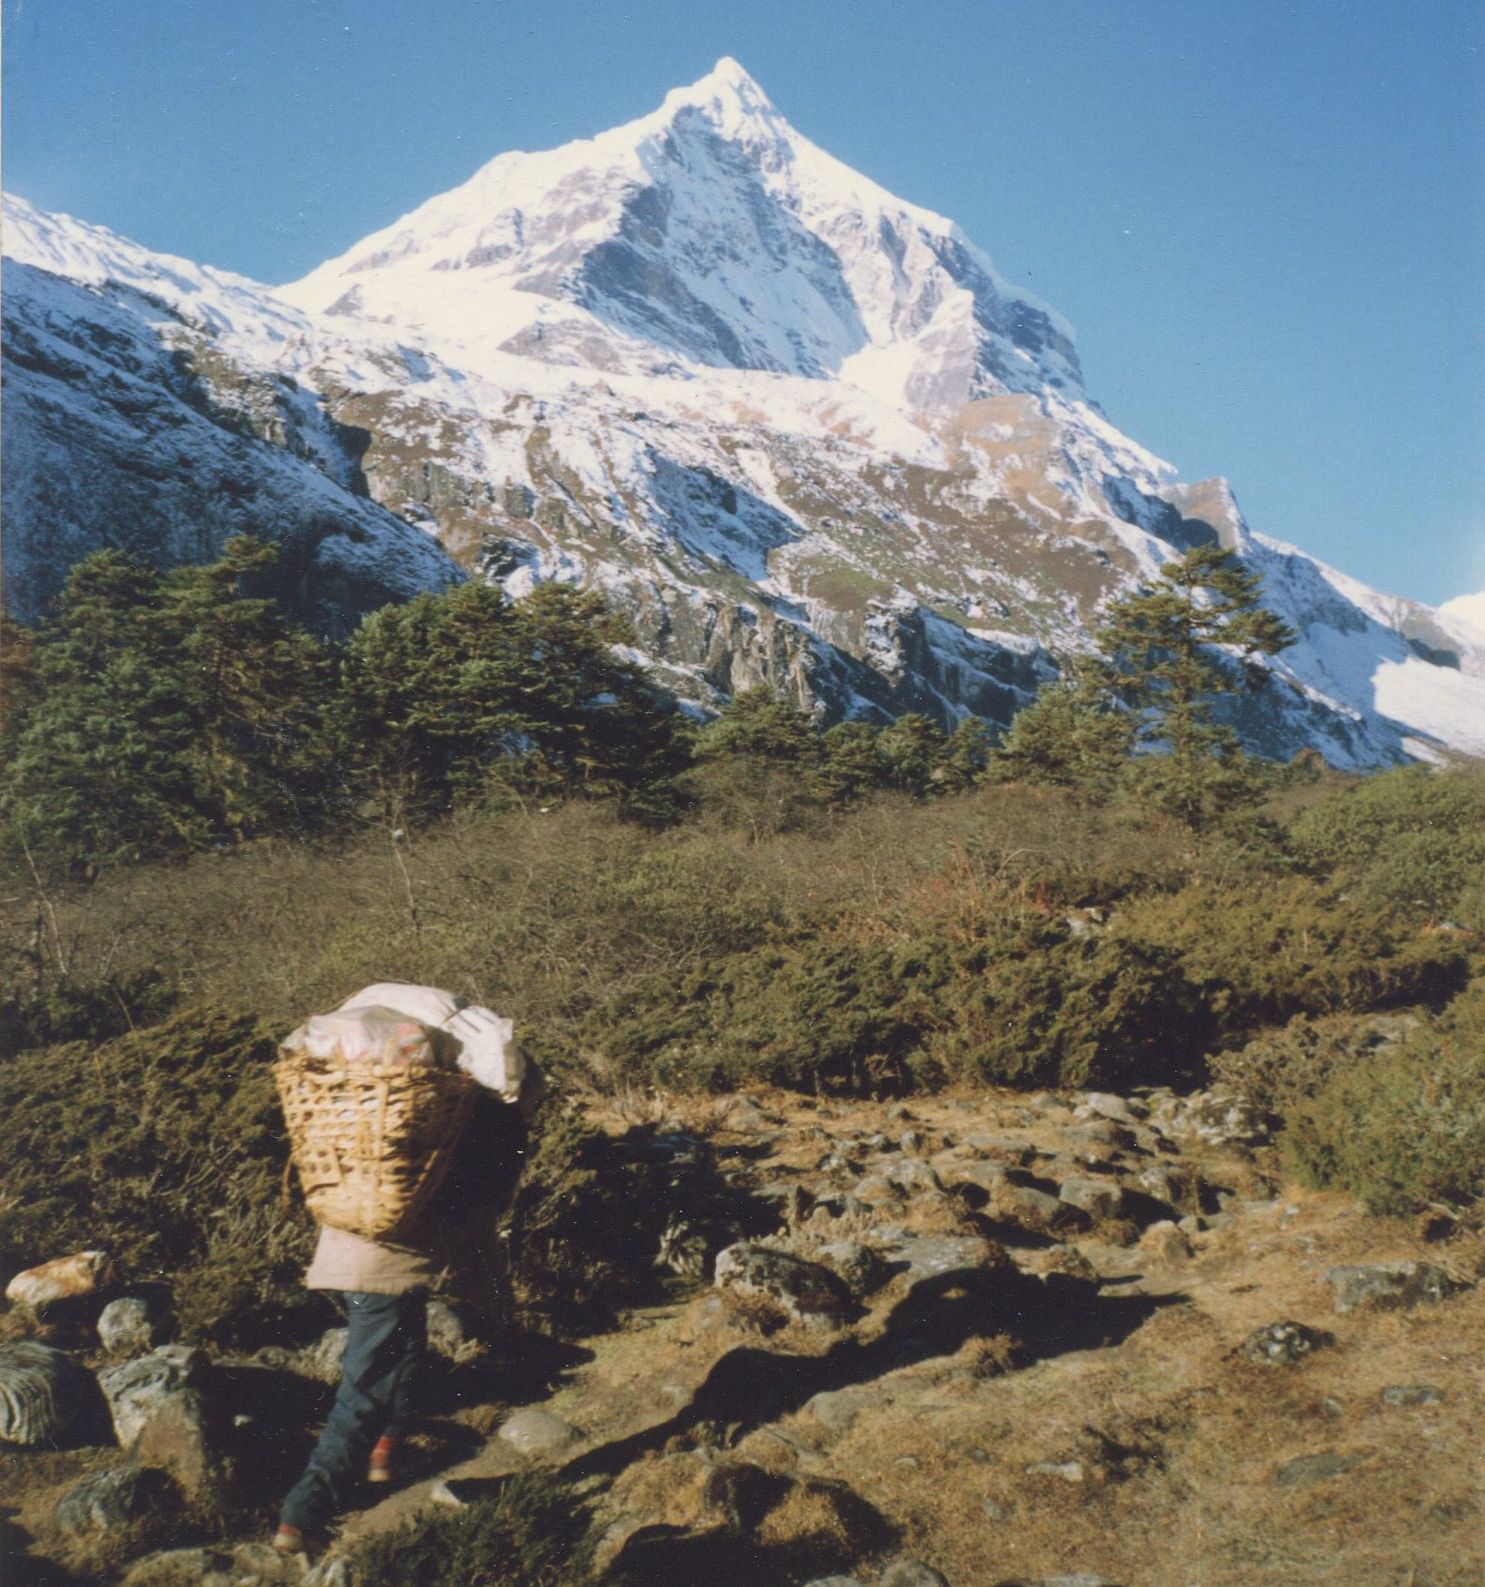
(1407, 1126)
(1411, 841)
(164, 1147)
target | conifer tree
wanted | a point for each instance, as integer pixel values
(451, 694)
(1170, 651)
(166, 712)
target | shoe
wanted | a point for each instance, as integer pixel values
(382, 1464)
(289, 1540)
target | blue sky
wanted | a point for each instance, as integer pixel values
(1266, 220)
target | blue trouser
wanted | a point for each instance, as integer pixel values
(385, 1343)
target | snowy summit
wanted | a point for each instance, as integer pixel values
(707, 233)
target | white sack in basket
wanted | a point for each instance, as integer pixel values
(487, 1050)
(369, 1033)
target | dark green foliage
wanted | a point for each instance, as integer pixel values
(584, 1227)
(53, 1010)
(1072, 735)
(534, 1533)
(1405, 1126)
(453, 692)
(165, 1148)
(1410, 841)
(1281, 1069)
(164, 712)
(1016, 1002)
(1264, 951)
(1153, 686)
(767, 766)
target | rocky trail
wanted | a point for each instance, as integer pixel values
(1073, 1339)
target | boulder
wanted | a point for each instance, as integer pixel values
(836, 1409)
(536, 1432)
(1166, 1243)
(912, 1573)
(915, 1177)
(1412, 1394)
(63, 1278)
(1280, 1344)
(925, 1256)
(44, 1393)
(126, 1326)
(1313, 1468)
(1036, 1211)
(1390, 1286)
(1220, 1118)
(137, 1389)
(1105, 1105)
(178, 1438)
(754, 1276)
(321, 1360)
(109, 1499)
(1099, 1198)
(988, 1177)
(447, 1335)
(857, 1265)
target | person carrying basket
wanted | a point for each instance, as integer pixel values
(376, 1096)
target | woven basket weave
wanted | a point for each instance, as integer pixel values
(371, 1141)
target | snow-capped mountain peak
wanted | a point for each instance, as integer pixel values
(730, 99)
(707, 234)
(798, 428)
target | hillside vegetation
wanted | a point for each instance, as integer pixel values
(217, 825)
(216, 821)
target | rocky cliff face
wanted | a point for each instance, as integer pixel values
(800, 429)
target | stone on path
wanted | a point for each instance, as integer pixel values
(1166, 1243)
(43, 1393)
(751, 1275)
(108, 1499)
(1306, 1469)
(1280, 1344)
(137, 1389)
(1412, 1394)
(161, 1415)
(912, 1573)
(1099, 1198)
(126, 1326)
(534, 1432)
(1390, 1286)
(63, 1278)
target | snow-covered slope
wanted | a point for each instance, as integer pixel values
(707, 233)
(800, 429)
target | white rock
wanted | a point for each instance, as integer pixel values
(60, 1279)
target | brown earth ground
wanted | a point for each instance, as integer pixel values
(1131, 1440)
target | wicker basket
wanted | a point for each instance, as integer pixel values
(371, 1141)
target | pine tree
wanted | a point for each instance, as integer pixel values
(166, 712)
(1170, 651)
(1073, 735)
(451, 696)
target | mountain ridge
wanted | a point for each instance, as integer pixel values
(846, 480)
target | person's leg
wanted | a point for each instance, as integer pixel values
(384, 1342)
(402, 1401)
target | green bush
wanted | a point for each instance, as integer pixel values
(1407, 1126)
(164, 1147)
(584, 1227)
(1410, 841)
(1280, 1069)
(534, 1531)
(67, 1009)
(1262, 952)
